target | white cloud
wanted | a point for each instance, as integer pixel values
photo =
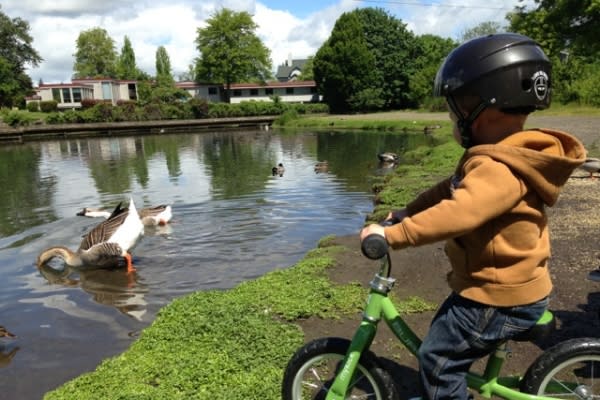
(55, 26)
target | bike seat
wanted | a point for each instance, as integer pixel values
(542, 329)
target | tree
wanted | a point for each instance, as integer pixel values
(343, 65)
(307, 73)
(366, 63)
(571, 24)
(484, 28)
(16, 52)
(163, 66)
(230, 51)
(432, 50)
(96, 55)
(126, 68)
(567, 30)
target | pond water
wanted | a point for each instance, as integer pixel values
(232, 221)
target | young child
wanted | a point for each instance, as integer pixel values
(491, 212)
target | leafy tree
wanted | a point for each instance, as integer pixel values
(394, 49)
(484, 28)
(230, 51)
(369, 56)
(16, 52)
(572, 24)
(307, 73)
(96, 55)
(163, 66)
(432, 50)
(343, 65)
(567, 30)
(126, 68)
(187, 75)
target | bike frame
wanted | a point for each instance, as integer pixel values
(380, 306)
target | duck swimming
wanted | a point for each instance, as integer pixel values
(105, 245)
(278, 170)
(387, 157)
(321, 166)
(150, 216)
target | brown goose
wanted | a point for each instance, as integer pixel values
(5, 333)
(105, 245)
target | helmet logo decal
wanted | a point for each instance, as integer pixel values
(540, 85)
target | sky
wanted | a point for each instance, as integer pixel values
(287, 28)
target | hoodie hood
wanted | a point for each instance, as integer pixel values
(545, 158)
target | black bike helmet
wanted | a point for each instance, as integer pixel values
(506, 71)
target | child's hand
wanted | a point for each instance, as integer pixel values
(371, 229)
(397, 216)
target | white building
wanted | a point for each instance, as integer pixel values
(70, 95)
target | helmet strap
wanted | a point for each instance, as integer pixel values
(464, 124)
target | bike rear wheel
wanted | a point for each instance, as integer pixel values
(568, 370)
(311, 371)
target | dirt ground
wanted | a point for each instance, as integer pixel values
(575, 302)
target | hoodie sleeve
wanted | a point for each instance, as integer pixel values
(430, 197)
(487, 190)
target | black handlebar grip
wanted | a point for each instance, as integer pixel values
(374, 246)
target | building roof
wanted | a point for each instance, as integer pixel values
(273, 85)
(64, 85)
(284, 71)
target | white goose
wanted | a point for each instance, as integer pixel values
(105, 245)
(591, 165)
(151, 216)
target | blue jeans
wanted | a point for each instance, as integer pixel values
(462, 332)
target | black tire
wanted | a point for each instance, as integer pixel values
(311, 370)
(570, 369)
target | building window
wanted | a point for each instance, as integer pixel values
(237, 93)
(289, 90)
(269, 91)
(131, 91)
(253, 92)
(66, 92)
(56, 95)
(212, 91)
(106, 91)
(313, 90)
(76, 95)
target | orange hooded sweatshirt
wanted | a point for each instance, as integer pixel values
(491, 214)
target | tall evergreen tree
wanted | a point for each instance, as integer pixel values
(343, 66)
(367, 62)
(163, 66)
(126, 67)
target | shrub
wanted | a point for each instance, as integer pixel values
(48, 106)
(198, 107)
(18, 118)
(33, 106)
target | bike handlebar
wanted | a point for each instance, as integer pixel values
(375, 246)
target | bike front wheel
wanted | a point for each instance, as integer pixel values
(311, 371)
(568, 370)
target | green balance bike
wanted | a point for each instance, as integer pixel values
(336, 368)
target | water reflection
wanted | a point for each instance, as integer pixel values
(115, 287)
(232, 221)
